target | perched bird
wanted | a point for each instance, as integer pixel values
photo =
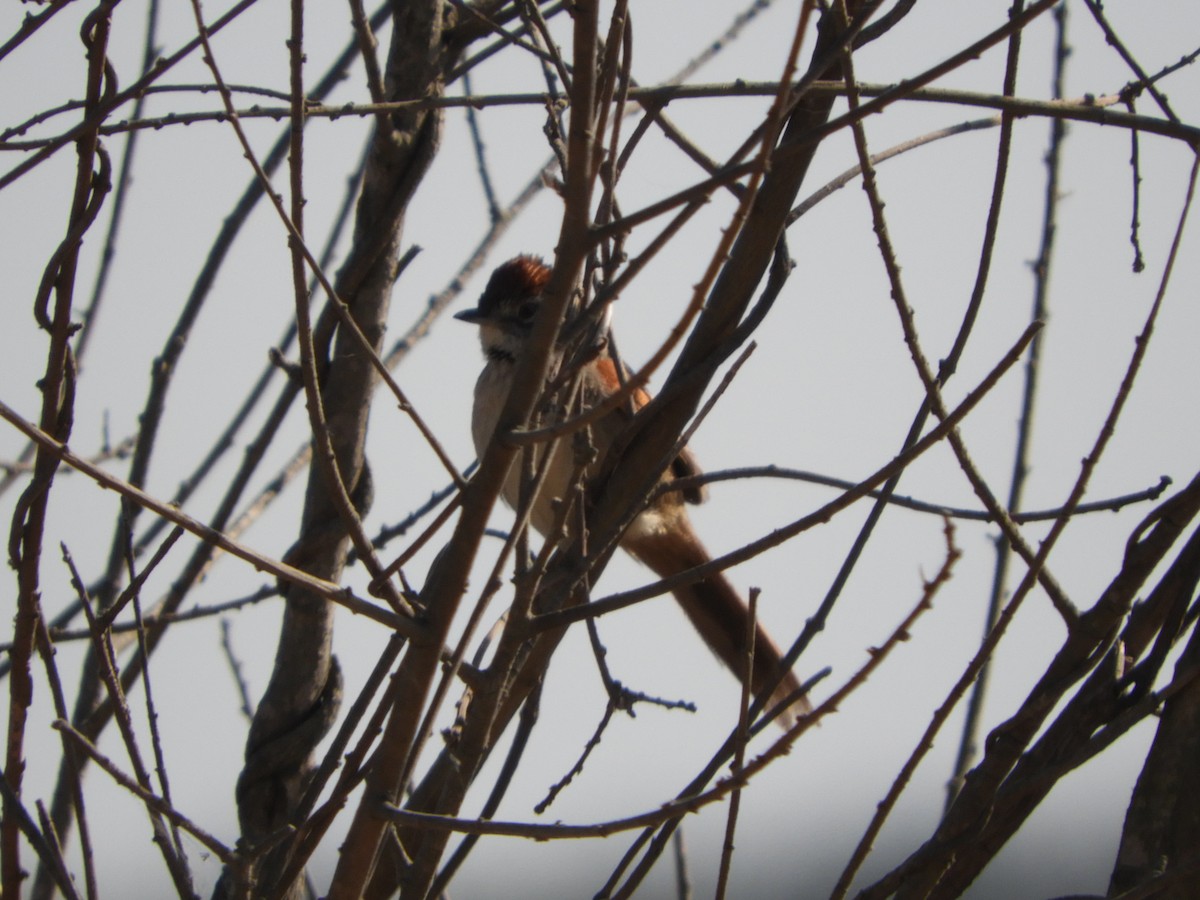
(661, 536)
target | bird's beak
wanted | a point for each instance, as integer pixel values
(474, 316)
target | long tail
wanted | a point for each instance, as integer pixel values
(718, 612)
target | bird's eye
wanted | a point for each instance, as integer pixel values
(527, 310)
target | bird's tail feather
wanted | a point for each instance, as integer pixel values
(719, 614)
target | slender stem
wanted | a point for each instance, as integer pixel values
(972, 724)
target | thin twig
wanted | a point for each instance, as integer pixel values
(1144, 81)
(30, 24)
(577, 767)
(1096, 110)
(152, 801)
(1041, 272)
(1110, 504)
(71, 773)
(338, 491)
(235, 669)
(481, 166)
(739, 749)
(932, 383)
(695, 790)
(1002, 754)
(367, 46)
(160, 762)
(62, 635)
(41, 841)
(99, 112)
(175, 863)
(121, 190)
(52, 313)
(328, 590)
(818, 517)
(527, 721)
(1135, 172)
(307, 835)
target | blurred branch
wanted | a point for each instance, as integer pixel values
(485, 178)
(836, 184)
(478, 21)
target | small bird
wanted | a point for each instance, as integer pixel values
(661, 536)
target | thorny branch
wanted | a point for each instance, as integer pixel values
(1108, 676)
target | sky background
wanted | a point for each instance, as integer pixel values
(829, 389)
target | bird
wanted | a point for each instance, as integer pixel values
(661, 536)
